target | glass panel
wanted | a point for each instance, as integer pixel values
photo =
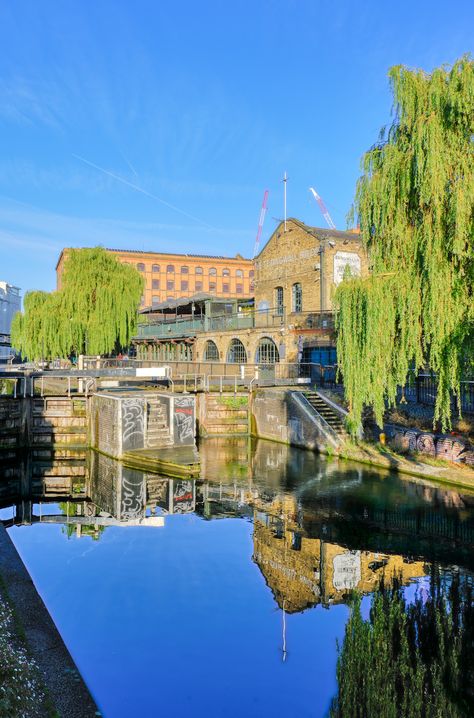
(236, 353)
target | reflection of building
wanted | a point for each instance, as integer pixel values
(303, 571)
(168, 276)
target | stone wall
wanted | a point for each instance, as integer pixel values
(281, 415)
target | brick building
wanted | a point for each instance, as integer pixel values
(169, 276)
(296, 274)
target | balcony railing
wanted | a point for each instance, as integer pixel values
(258, 318)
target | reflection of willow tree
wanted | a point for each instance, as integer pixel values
(69, 509)
(411, 660)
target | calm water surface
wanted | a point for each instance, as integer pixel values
(223, 596)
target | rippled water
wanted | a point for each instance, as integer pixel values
(223, 596)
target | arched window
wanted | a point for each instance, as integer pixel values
(212, 271)
(279, 300)
(198, 270)
(184, 270)
(239, 273)
(236, 353)
(155, 267)
(251, 273)
(170, 268)
(297, 298)
(211, 352)
(267, 352)
(141, 267)
(226, 272)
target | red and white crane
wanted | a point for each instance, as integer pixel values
(263, 212)
(323, 208)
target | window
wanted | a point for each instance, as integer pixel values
(142, 299)
(212, 286)
(198, 287)
(141, 267)
(198, 270)
(267, 352)
(226, 272)
(155, 267)
(169, 284)
(184, 286)
(155, 300)
(226, 288)
(239, 288)
(170, 269)
(212, 271)
(155, 283)
(211, 352)
(297, 298)
(279, 300)
(184, 270)
(239, 273)
(236, 353)
(251, 273)
(252, 286)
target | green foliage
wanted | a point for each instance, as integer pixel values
(413, 660)
(94, 312)
(415, 204)
(234, 402)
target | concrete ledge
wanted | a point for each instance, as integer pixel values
(67, 690)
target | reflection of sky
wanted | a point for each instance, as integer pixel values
(178, 621)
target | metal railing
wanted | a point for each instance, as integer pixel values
(423, 389)
(258, 318)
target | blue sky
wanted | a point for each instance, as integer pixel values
(203, 105)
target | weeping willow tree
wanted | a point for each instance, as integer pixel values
(415, 205)
(94, 312)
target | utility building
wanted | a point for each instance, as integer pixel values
(10, 304)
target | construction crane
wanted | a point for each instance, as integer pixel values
(263, 212)
(323, 208)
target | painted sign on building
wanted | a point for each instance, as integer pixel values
(346, 570)
(343, 260)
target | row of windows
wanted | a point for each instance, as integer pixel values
(198, 286)
(170, 269)
(296, 299)
(267, 352)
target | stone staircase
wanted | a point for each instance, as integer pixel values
(224, 415)
(332, 417)
(158, 430)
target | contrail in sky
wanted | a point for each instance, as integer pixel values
(129, 164)
(145, 192)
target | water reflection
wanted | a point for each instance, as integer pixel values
(320, 530)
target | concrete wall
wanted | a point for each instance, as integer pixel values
(282, 415)
(124, 421)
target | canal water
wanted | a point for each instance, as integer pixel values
(226, 595)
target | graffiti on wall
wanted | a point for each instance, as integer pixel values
(132, 424)
(132, 503)
(449, 448)
(184, 420)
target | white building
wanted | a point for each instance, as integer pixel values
(10, 303)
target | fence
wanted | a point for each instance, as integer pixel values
(423, 390)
